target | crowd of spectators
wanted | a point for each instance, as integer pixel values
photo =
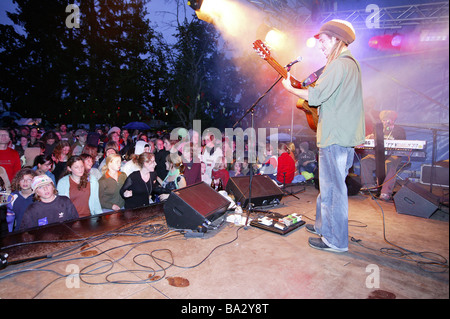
(60, 174)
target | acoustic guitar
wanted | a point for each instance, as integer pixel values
(311, 113)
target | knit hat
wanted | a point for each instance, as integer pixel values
(340, 29)
(40, 180)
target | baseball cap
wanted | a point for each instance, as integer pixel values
(80, 132)
(40, 180)
(114, 129)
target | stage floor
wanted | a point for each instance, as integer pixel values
(134, 255)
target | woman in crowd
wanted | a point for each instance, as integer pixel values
(174, 178)
(137, 188)
(92, 150)
(80, 187)
(44, 164)
(270, 163)
(220, 173)
(50, 139)
(48, 207)
(61, 154)
(88, 161)
(236, 169)
(22, 196)
(23, 145)
(132, 164)
(286, 165)
(191, 161)
(111, 147)
(110, 184)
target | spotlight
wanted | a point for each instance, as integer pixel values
(195, 4)
(262, 31)
(311, 42)
(396, 41)
(386, 42)
(275, 38)
(201, 14)
(272, 36)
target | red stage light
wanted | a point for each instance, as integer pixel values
(386, 42)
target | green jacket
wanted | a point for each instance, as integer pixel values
(109, 190)
(338, 93)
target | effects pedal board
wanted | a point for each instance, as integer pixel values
(281, 226)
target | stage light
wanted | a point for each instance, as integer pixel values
(262, 31)
(275, 38)
(311, 42)
(201, 14)
(396, 40)
(271, 36)
(195, 4)
(386, 42)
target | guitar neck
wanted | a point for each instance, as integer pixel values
(274, 64)
(283, 72)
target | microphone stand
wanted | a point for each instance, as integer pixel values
(251, 109)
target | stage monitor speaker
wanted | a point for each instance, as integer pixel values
(352, 182)
(194, 206)
(412, 199)
(440, 176)
(264, 190)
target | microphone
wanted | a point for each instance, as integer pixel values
(293, 62)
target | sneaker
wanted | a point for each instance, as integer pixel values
(317, 243)
(385, 197)
(310, 228)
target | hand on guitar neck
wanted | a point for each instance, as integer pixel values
(291, 84)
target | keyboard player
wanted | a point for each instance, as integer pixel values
(368, 163)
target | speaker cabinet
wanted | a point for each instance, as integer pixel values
(414, 200)
(264, 191)
(353, 183)
(437, 175)
(193, 206)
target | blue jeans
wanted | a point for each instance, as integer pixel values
(332, 202)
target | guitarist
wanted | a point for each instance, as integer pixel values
(338, 94)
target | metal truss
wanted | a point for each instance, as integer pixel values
(299, 13)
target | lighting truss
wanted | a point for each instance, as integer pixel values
(298, 13)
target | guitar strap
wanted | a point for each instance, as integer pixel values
(313, 77)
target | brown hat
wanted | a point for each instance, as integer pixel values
(340, 29)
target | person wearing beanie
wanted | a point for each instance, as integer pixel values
(341, 126)
(368, 163)
(49, 207)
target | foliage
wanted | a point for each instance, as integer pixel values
(114, 68)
